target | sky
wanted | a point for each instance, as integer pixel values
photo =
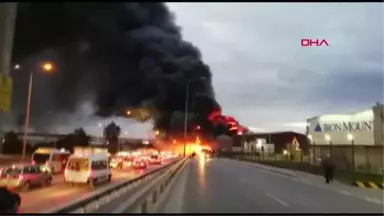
(264, 77)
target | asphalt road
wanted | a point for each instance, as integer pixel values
(39, 200)
(227, 186)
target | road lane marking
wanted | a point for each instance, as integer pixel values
(345, 192)
(277, 199)
(373, 200)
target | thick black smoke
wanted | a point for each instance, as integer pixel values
(121, 55)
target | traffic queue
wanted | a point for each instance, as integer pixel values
(139, 159)
(86, 166)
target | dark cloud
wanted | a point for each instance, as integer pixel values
(350, 88)
(119, 55)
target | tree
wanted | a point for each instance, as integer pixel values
(13, 145)
(111, 134)
(80, 137)
(77, 138)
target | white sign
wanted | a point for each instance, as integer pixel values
(344, 126)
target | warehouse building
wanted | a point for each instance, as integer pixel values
(279, 140)
(352, 138)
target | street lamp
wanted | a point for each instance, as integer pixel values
(310, 137)
(186, 110)
(351, 139)
(328, 139)
(312, 143)
(45, 67)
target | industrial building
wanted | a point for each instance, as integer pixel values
(274, 142)
(354, 140)
(363, 128)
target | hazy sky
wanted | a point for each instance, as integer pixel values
(264, 78)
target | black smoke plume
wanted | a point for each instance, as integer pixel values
(119, 55)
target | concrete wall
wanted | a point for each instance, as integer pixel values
(367, 158)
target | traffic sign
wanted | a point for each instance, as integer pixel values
(6, 85)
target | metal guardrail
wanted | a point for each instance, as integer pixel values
(151, 197)
(106, 195)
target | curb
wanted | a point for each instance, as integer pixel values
(264, 167)
(373, 185)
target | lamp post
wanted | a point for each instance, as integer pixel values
(241, 141)
(310, 138)
(186, 110)
(259, 145)
(46, 67)
(351, 139)
(328, 139)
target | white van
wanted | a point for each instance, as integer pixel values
(53, 160)
(90, 169)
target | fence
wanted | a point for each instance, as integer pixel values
(363, 159)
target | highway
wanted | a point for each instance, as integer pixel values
(39, 200)
(229, 186)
